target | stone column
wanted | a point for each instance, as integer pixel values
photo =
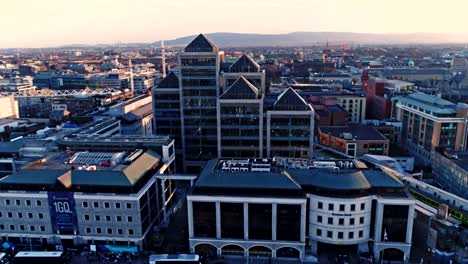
(163, 196)
(378, 222)
(274, 214)
(409, 226)
(218, 220)
(246, 221)
(303, 221)
(190, 218)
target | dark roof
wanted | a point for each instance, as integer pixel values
(290, 100)
(244, 180)
(138, 113)
(357, 131)
(201, 44)
(34, 177)
(244, 64)
(241, 89)
(171, 81)
(329, 179)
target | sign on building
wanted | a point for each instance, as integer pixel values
(62, 212)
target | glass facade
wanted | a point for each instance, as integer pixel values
(204, 219)
(260, 226)
(288, 222)
(394, 223)
(232, 220)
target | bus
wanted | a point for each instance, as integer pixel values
(38, 257)
(174, 259)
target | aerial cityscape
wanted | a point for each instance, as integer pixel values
(219, 132)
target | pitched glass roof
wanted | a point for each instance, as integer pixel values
(201, 44)
(244, 64)
(290, 100)
(241, 89)
(171, 81)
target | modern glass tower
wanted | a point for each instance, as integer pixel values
(199, 65)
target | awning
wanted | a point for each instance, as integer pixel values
(120, 249)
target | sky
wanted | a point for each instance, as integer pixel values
(45, 23)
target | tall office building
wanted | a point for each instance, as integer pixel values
(223, 111)
(430, 122)
(199, 65)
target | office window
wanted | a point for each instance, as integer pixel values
(0, 214)
(28, 202)
(2, 227)
(30, 215)
(41, 216)
(361, 220)
(320, 205)
(130, 231)
(129, 219)
(20, 215)
(329, 234)
(330, 207)
(363, 206)
(117, 205)
(86, 217)
(129, 206)
(319, 218)
(10, 214)
(109, 231)
(120, 231)
(39, 203)
(361, 233)
(330, 220)
(340, 235)
(119, 218)
(319, 232)
(22, 228)
(7, 202)
(96, 205)
(351, 221)
(12, 227)
(107, 205)
(88, 230)
(98, 230)
(85, 204)
(42, 228)
(351, 235)
(353, 207)
(342, 207)
(97, 218)
(18, 202)
(108, 218)
(341, 221)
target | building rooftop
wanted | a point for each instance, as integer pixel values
(241, 89)
(294, 175)
(87, 169)
(354, 132)
(427, 103)
(171, 81)
(290, 100)
(244, 64)
(201, 44)
(138, 113)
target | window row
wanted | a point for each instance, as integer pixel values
(341, 207)
(117, 205)
(26, 202)
(22, 228)
(340, 221)
(110, 231)
(21, 215)
(339, 235)
(108, 218)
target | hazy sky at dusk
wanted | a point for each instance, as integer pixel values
(34, 23)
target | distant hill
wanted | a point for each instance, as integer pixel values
(309, 38)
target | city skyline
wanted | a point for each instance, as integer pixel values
(55, 23)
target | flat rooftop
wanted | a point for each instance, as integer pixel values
(282, 174)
